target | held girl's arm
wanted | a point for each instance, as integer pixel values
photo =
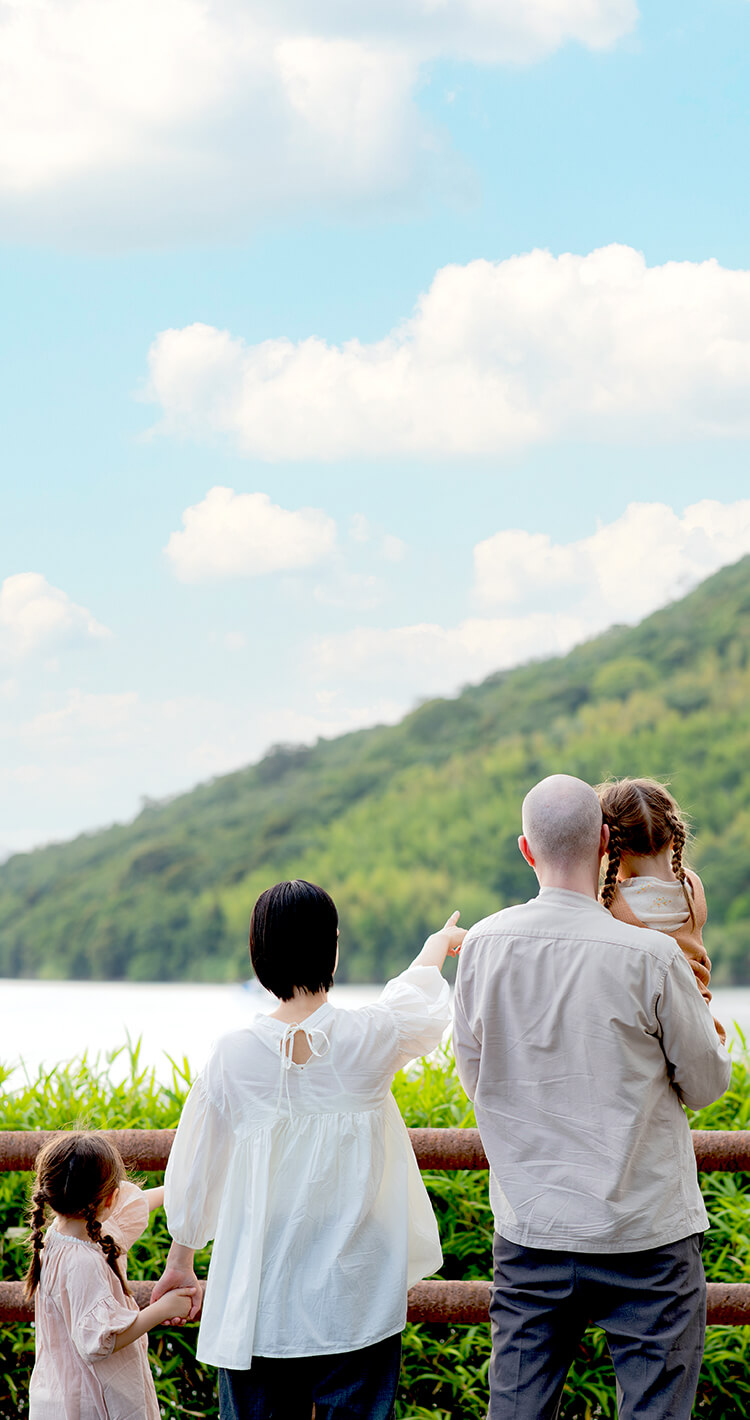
(446, 942)
(154, 1197)
(176, 1303)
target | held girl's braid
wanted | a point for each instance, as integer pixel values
(77, 1173)
(36, 1243)
(106, 1243)
(614, 853)
(679, 837)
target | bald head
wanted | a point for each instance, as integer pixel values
(562, 824)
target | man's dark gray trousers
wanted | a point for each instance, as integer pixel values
(651, 1305)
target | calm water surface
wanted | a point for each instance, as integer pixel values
(43, 1023)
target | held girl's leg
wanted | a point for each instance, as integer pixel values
(271, 1390)
(358, 1385)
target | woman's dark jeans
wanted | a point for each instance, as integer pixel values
(361, 1385)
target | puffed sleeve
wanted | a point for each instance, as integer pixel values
(128, 1217)
(196, 1169)
(418, 1001)
(96, 1324)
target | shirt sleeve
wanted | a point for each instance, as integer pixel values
(466, 1045)
(96, 1324)
(128, 1217)
(197, 1165)
(699, 1066)
(418, 1001)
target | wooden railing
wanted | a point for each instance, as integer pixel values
(457, 1302)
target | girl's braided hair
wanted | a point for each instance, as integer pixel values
(75, 1174)
(643, 819)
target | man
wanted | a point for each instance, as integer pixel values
(579, 1039)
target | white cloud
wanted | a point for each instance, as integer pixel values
(85, 758)
(496, 355)
(626, 569)
(394, 549)
(333, 712)
(36, 616)
(553, 595)
(110, 715)
(391, 548)
(246, 535)
(359, 528)
(429, 659)
(139, 119)
(357, 591)
(72, 758)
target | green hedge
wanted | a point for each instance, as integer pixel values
(445, 1367)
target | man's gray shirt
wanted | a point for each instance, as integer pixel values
(579, 1038)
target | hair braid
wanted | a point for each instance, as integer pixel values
(36, 1243)
(679, 837)
(614, 853)
(106, 1243)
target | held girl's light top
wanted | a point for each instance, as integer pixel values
(80, 1310)
(305, 1178)
(657, 904)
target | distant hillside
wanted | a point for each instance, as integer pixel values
(403, 823)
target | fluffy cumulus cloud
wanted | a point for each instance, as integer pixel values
(233, 534)
(624, 570)
(131, 118)
(35, 616)
(496, 355)
(551, 596)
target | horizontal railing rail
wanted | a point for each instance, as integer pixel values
(148, 1149)
(457, 1303)
(435, 1149)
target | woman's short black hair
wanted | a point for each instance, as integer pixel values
(294, 938)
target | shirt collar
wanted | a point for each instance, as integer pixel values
(573, 899)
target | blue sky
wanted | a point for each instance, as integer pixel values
(296, 252)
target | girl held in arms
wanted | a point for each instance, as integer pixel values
(291, 1154)
(91, 1348)
(646, 882)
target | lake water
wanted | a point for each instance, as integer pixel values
(43, 1023)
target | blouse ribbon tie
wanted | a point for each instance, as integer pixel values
(319, 1045)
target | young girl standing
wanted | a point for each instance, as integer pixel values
(91, 1348)
(646, 882)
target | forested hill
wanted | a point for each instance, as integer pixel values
(404, 823)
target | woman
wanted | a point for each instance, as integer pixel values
(291, 1154)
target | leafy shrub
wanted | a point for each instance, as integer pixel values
(444, 1371)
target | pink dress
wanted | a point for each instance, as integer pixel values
(80, 1310)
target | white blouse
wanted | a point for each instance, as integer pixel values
(305, 1178)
